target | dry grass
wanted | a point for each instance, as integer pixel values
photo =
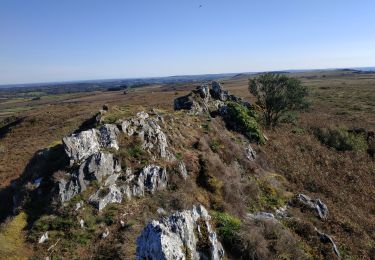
(12, 239)
(293, 161)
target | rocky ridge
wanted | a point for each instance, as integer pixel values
(90, 153)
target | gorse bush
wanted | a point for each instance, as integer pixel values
(244, 120)
(341, 139)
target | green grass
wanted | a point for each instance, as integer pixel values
(340, 139)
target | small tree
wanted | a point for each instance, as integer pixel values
(276, 94)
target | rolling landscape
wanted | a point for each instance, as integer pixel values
(294, 160)
(187, 130)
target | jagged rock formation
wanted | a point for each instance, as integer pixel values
(149, 131)
(90, 156)
(207, 99)
(183, 235)
(317, 205)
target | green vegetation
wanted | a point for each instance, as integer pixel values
(341, 139)
(227, 227)
(244, 120)
(277, 94)
(215, 145)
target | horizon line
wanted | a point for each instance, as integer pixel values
(180, 75)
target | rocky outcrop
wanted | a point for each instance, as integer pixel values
(80, 146)
(96, 167)
(153, 138)
(91, 160)
(183, 235)
(316, 204)
(207, 99)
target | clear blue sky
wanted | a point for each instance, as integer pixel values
(61, 40)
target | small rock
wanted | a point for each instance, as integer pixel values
(250, 153)
(43, 238)
(182, 170)
(122, 223)
(324, 238)
(161, 211)
(317, 204)
(105, 234)
(82, 223)
(79, 205)
(262, 216)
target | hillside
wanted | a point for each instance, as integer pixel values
(170, 171)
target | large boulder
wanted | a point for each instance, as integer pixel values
(80, 146)
(183, 235)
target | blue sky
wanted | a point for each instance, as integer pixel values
(62, 40)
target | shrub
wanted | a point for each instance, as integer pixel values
(227, 227)
(206, 179)
(277, 94)
(340, 139)
(215, 145)
(244, 120)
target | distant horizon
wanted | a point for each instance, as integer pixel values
(296, 70)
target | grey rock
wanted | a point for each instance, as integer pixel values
(82, 145)
(153, 138)
(108, 136)
(250, 153)
(43, 238)
(161, 211)
(98, 166)
(79, 147)
(79, 205)
(206, 99)
(82, 223)
(105, 234)
(169, 237)
(324, 238)
(316, 204)
(217, 92)
(182, 169)
(104, 196)
(262, 216)
(203, 91)
(68, 189)
(150, 179)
